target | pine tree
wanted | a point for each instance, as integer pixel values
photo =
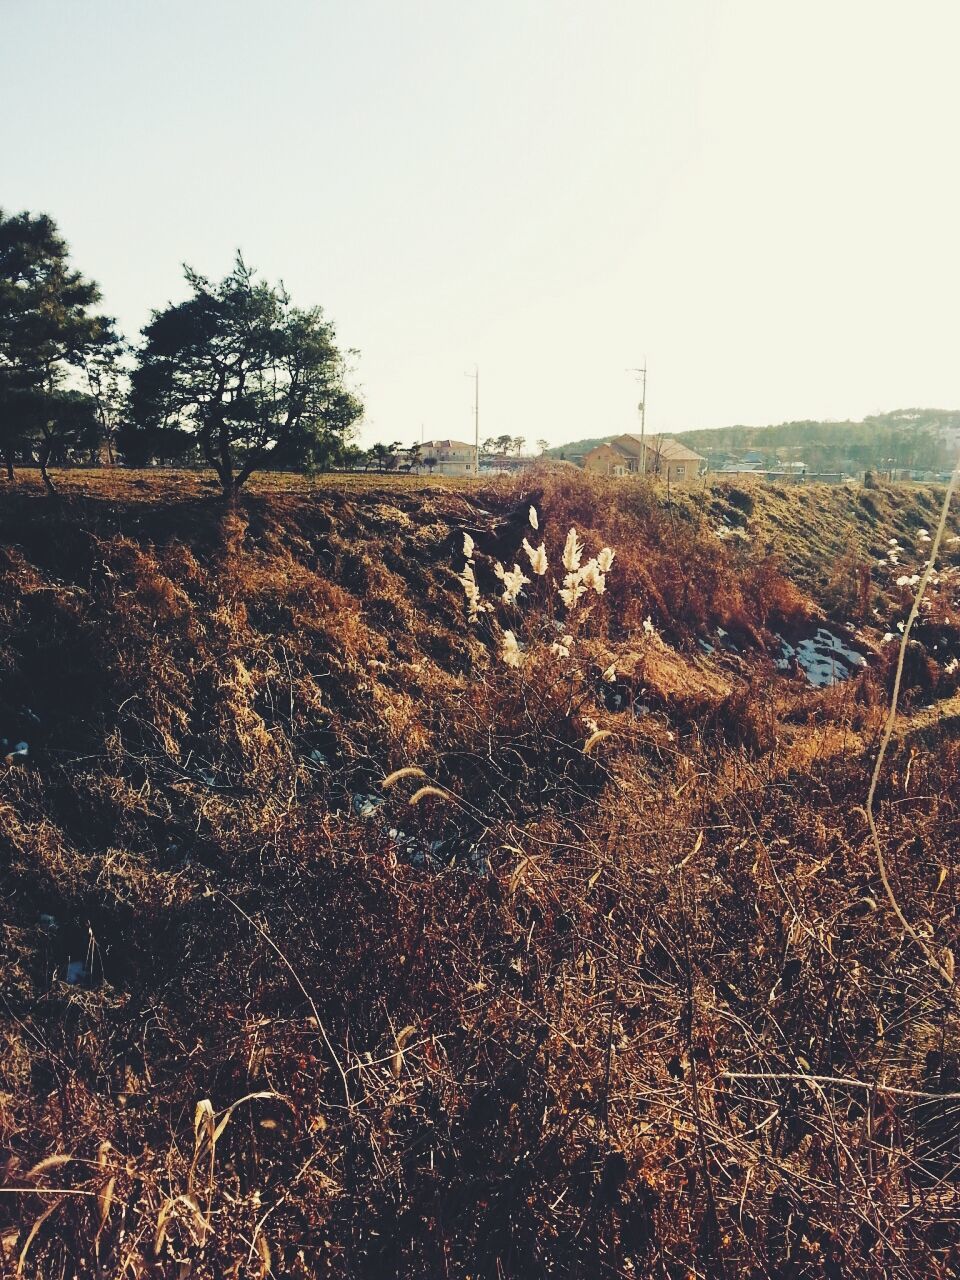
(47, 332)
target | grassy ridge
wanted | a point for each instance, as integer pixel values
(531, 1010)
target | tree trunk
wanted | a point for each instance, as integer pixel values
(253, 462)
(225, 462)
(47, 482)
(8, 462)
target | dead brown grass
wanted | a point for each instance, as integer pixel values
(638, 1009)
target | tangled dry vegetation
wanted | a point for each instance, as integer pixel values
(346, 937)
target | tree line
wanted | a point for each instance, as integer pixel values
(236, 377)
(909, 439)
(905, 438)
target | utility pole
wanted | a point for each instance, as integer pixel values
(476, 416)
(642, 406)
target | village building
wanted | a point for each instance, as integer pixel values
(653, 456)
(447, 458)
(607, 460)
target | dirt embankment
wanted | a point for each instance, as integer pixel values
(343, 937)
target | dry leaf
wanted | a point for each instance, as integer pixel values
(594, 738)
(104, 1201)
(396, 1061)
(518, 874)
(33, 1232)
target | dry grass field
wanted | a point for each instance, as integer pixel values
(345, 936)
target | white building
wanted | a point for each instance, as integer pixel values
(447, 458)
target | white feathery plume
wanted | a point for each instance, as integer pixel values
(510, 651)
(537, 557)
(572, 589)
(591, 576)
(572, 551)
(471, 591)
(513, 584)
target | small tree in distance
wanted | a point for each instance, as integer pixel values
(107, 384)
(254, 379)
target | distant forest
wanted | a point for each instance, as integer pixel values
(908, 438)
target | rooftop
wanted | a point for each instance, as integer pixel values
(662, 446)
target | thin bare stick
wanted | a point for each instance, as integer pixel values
(844, 1081)
(888, 727)
(296, 977)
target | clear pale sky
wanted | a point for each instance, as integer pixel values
(760, 197)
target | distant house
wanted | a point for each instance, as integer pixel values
(653, 456)
(447, 458)
(608, 460)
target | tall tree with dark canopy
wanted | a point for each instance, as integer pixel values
(256, 380)
(47, 330)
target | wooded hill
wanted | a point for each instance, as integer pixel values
(903, 438)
